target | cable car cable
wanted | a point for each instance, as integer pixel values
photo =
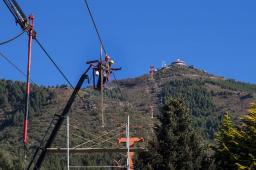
(95, 26)
(55, 64)
(13, 65)
(13, 38)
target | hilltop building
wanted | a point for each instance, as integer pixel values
(179, 62)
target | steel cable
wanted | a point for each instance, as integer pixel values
(56, 66)
(95, 26)
(13, 38)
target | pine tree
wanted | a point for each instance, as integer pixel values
(247, 144)
(236, 146)
(226, 139)
(176, 146)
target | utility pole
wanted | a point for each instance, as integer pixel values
(128, 142)
(30, 39)
(68, 142)
(101, 87)
(26, 114)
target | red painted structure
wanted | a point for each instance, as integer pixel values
(30, 39)
(132, 142)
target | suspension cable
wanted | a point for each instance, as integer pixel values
(13, 65)
(95, 26)
(13, 38)
(57, 67)
(54, 63)
(101, 70)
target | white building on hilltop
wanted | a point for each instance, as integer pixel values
(179, 62)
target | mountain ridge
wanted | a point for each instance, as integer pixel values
(207, 96)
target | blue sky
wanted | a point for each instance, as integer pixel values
(217, 36)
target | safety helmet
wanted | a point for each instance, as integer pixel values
(111, 62)
(107, 58)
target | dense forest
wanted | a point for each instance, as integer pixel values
(198, 99)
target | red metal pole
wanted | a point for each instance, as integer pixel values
(30, 39)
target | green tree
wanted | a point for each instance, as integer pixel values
(198, 99)
(226, 140)
(236, 146)
(249, 143)
(176, 146)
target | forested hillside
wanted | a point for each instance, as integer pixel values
(207, 96)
